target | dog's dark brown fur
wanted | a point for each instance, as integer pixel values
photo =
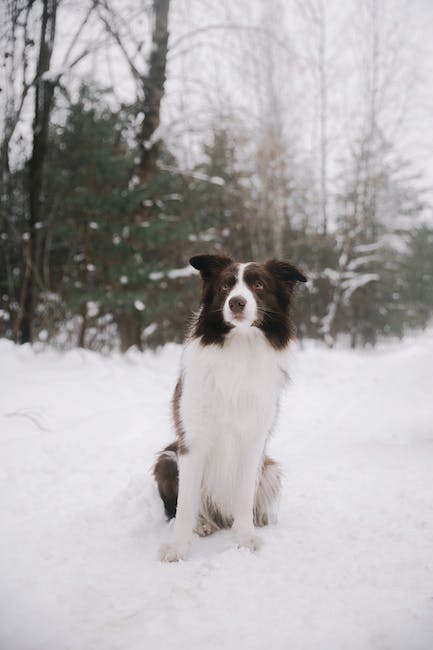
(272, 283)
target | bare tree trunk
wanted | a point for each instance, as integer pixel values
(44, 93)
(372, 146)
(153, 90)
(323, 84)
(83, 326)
(149, 76)
(129, 329)
(16, 16)
(85, 275)
(150, 79)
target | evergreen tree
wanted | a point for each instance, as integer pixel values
(92, 259)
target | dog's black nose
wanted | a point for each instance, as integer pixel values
(237, 304)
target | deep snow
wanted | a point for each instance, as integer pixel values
(348, 566)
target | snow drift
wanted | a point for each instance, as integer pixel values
(349, 565)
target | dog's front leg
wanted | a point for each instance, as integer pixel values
(188, 503)
(243, 525)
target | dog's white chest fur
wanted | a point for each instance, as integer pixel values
(228, 406)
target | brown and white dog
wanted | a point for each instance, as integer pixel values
(217, 474)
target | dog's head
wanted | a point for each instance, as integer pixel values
(247, 295)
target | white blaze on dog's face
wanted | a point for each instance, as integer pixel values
(244, 296)
(240, 306)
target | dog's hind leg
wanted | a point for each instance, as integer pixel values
(166, 474)
(268, 491)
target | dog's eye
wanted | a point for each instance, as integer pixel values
(224, 287)
(258, 284)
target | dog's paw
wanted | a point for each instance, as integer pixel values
(204, 528)
(250, 541)
(173, 552)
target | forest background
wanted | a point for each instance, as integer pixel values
(136, 134)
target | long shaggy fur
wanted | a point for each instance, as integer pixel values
(210, 519)
(217, 473)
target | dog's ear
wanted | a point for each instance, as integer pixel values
(285, 271)
(210, 265)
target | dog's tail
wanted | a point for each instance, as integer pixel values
(166, 474)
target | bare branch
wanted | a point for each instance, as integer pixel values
(228, 26)
(116, 36)
(76, 36)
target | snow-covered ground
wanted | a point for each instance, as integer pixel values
(348, 566)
